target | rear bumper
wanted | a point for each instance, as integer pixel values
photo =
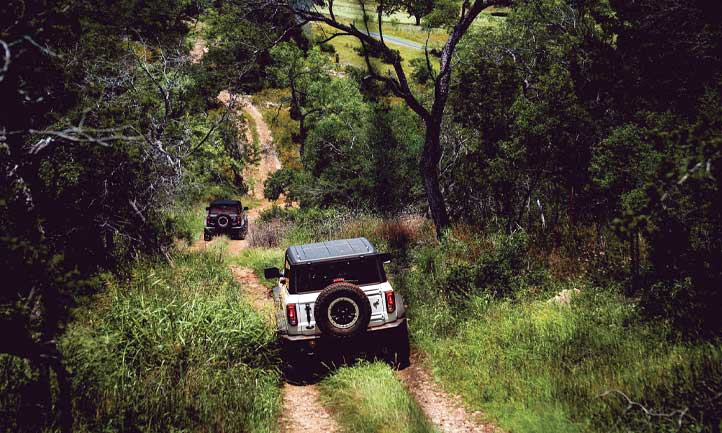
(370, 333)
(214, 230)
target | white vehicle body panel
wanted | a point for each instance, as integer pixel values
(305, 303)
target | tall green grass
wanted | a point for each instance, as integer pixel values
(173, 349)
(369, 398)
(535, 366)
(260, 258)
(188, 220)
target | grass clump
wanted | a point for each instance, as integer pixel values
(260, 258)
(173, 349)
(368, 398)
(188, 221)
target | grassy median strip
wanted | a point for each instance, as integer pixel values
(368, 398)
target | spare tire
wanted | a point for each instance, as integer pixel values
(223, 221)
(342, 310)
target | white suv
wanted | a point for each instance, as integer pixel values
(337, 291)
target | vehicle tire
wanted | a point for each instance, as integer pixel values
(342, 310)
(207, 236)
(223, 221)
(399, 350)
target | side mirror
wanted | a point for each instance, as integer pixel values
(271, 273)
(245, 208)
(208, 209)
(385, 258)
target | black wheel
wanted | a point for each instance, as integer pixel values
(342, 310)
(399, 350)
(207, 236)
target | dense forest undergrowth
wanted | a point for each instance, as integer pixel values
(574, 147)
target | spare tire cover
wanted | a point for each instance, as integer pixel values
(223, 220)
(342, 310)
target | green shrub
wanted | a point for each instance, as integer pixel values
(493, 265)
(187, 220)
(327, 47)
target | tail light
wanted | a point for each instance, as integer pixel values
(291, 316)
(390, 301)
(238, 219)
(208, 221)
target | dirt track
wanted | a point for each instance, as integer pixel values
(446, 412)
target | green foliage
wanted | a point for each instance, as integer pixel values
(237, 42)
(443, 14)
(370, 399)
(535, 366)
(259, 259)
(420, 71)
(280, 182)
(497, 266)
(325, 47)
(187, 220)
(557, 136)
(173, 348)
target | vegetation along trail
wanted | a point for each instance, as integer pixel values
(543, 175)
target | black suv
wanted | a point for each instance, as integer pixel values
(226, 217)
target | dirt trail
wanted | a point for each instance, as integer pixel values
(446, 412)
(256, 174)
(302, 408)
(303, 411)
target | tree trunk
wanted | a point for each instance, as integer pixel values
(65, 393)
(430, 173)
(418, 19)
(302, 133)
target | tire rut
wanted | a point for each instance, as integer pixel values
(302, 408)
(446, 412)
(303, 411)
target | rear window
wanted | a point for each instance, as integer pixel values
(310, 278)
(224, 209)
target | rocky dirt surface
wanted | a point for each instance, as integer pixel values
(446, 412)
